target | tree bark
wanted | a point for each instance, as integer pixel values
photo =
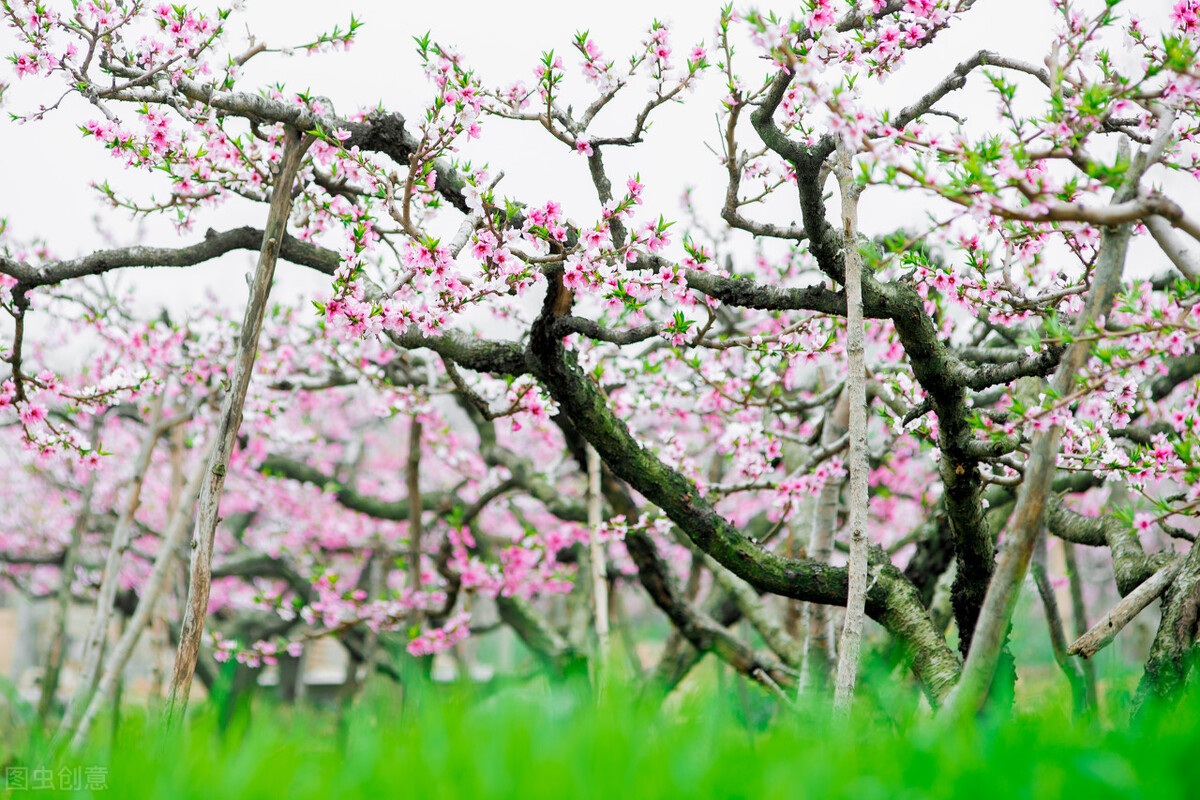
(200, 583)
(599, 567)
(1174, 649)
(376, 580)
(1120, 615)
(752, 607)
(891, 598)
(856, 387)
(56, 653)
(1029, 517)
(412, 482)
(1058, 637)
(93, 647)
(114, 665)
(1079, 618)
(818, 658)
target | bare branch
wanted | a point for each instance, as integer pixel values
(594, 330)
(1161, 230)
(1123, 612)
(215, 244)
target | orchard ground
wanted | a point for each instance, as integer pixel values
(555, 740)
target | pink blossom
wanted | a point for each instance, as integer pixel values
(822, 16)
(920, 8)
(1186, 15)
(26, 65)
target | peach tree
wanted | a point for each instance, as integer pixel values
(497, 399)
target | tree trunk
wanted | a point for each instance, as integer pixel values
(1174, 647)
(56, 654)
(114, 665)
(1079, 619)
(1058, 637)
(856, 387)
(412, 480)
(818, 657)
(93, 647)
(200, 583)
(1029, 516)
(599, 568)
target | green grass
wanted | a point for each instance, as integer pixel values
(557, 742)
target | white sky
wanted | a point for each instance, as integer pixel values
(51, 165)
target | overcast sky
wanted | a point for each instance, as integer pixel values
(52, 165)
